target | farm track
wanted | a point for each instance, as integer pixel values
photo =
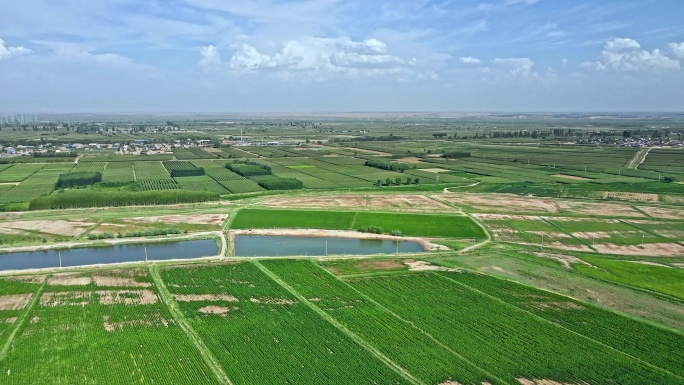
(541, 319)
(34, 301)
(358, 340)
(638, 159)
(178, 316)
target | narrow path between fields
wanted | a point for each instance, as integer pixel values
(510, 305)
(638, 159)
(358, 340)
(34, 301)
(478, 245)
(178, 316)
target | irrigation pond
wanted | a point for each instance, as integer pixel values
(119, 253)
(281, 246)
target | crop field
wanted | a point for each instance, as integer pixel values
(664, 161)
(150, 170)
(19, 172)
(158, 184)
(184, 154)
(118, 172)
(81, 319)
(292, 343)
(427, 225)
(200, 183)
(38, 184)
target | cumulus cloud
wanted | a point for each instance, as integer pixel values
(469, 60)
(7, 52)
(518, 67)
(676, 49)
(315, 55)
(211, 59)
(627, 55)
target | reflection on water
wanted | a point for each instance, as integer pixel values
(273, 245)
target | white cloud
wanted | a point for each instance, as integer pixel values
(518, 67)
(7, 52)
(626, 55)
(469, 60)
(211, 59)
(676, 49)
(319, 56)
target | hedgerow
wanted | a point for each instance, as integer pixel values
(86, 198)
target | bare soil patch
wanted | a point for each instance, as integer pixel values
(507, 217)
(404, 202)
(66, 298)
(648, 249)
(219, 310)
(663, 212)
(565, 305)
(679, 265)
(194, 219)
(674, 199)
(435, 170)
(427, 266)
(276, 301)
(598, 209)
(118, 281)
(536, 381)
(570, 177)
(381, 264)
(629, 196)
(566, 260)
(68, 279)
(15, 301)
(411, 160)
(10, 320)
(205, 297)
(151, 320)
(56, 227)
(501, 202)
(35, 279)
(127, 297)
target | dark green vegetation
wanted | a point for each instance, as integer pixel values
(177, 168)
(423, 225)
(85, 198)
(295, 321)
(82, 178)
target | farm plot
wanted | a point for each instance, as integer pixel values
(673, 230)
(158, 184)
(107, 329)
(645, 274)
(90, 167)
(41, 183)
(292, 343)
(384, 202)
(529, 230)
(668, 161)
(638, 339)
(202, 153)
(150, 170)
(420, 355)
(506, 341)
(295, 171)
(504, 203)
(184, 154)
(16, 294)
(19, 172)
(200, 183)
(610, 231)
(422, 225)
(118, 172)
(266, 219)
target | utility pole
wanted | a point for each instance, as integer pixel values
(145, 253)
(542, 244)
(326, 247)
(60, 259)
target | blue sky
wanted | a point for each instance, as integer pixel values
(334, 55)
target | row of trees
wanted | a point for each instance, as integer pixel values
(385, 165)
(277, 183)
(396, 182)
(248, 168)
(86, 198)
(75, 179)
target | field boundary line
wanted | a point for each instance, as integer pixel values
(34, 301)
(484, 229)
(585, 243)
(652, 366)
(430, 336)
(178, 316)
(358, 340)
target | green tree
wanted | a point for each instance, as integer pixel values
(416, 180)
(388, 181)
(397, 181)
